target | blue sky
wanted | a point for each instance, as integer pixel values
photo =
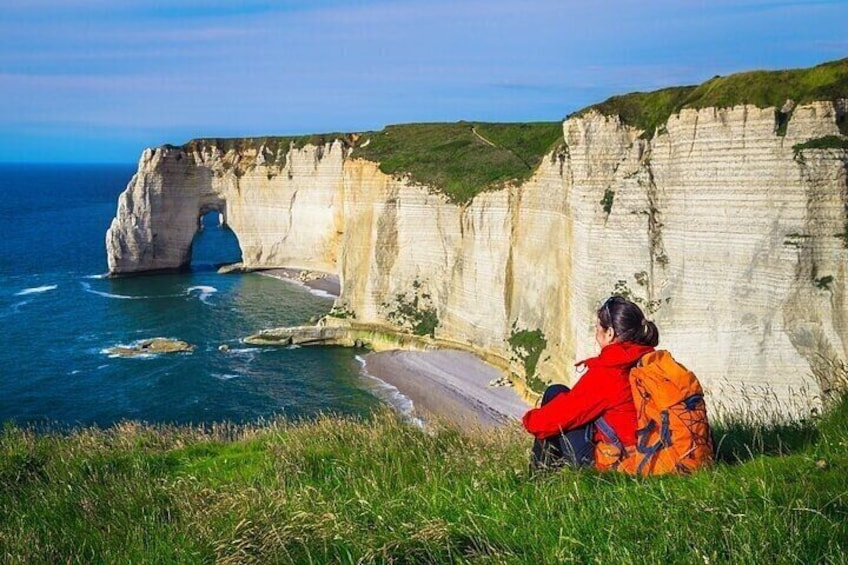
(100, 80)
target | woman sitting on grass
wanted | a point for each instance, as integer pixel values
(599, 409)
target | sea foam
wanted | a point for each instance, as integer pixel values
(15, 308)
(37, 289)
(322, 293)
(203, 292)
(87, 287)
(225, 376)
(391, 395)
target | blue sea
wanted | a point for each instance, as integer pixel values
(59, 316)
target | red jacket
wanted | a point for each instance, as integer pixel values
(604, 390)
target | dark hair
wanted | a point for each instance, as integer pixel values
(627, 321)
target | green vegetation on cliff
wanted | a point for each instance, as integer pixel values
(463, 159)
(274, 148)
(764, 89)
(460, 159)
(527, 347)
(273, 144)
(340, 490)
(414, 311)
(826, 142)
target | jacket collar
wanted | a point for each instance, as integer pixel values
(623, 354)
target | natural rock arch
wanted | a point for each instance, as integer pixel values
(214, 243)
(289, 216)
(157, 221)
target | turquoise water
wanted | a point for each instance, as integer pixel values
(59, 316)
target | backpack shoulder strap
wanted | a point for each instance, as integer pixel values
(607, 430)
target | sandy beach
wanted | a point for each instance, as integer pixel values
(445, 385)
(320, 282)
(451, 386)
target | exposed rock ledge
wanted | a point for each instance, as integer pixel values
(152, 346)
(376, 337)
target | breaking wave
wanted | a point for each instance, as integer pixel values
(391, 395)
(87, 288)
(203, 292)
(37, 289)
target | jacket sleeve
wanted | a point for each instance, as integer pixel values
(581, 405)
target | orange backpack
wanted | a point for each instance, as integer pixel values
(673, 434)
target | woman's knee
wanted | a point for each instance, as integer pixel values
(552, 391)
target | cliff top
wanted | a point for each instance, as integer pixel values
(458, 159)
(764, 89)
(275, 145)
(463, 159)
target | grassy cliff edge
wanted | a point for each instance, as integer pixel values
(463, 159)
(765, 89)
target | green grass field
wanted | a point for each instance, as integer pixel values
(376, 490)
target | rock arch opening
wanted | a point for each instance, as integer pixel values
(214, 244)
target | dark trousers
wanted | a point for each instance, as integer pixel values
(573, 448)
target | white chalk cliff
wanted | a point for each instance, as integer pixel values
(733, 239)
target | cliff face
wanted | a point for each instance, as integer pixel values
(728, 234)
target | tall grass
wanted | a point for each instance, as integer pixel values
(375, 490)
